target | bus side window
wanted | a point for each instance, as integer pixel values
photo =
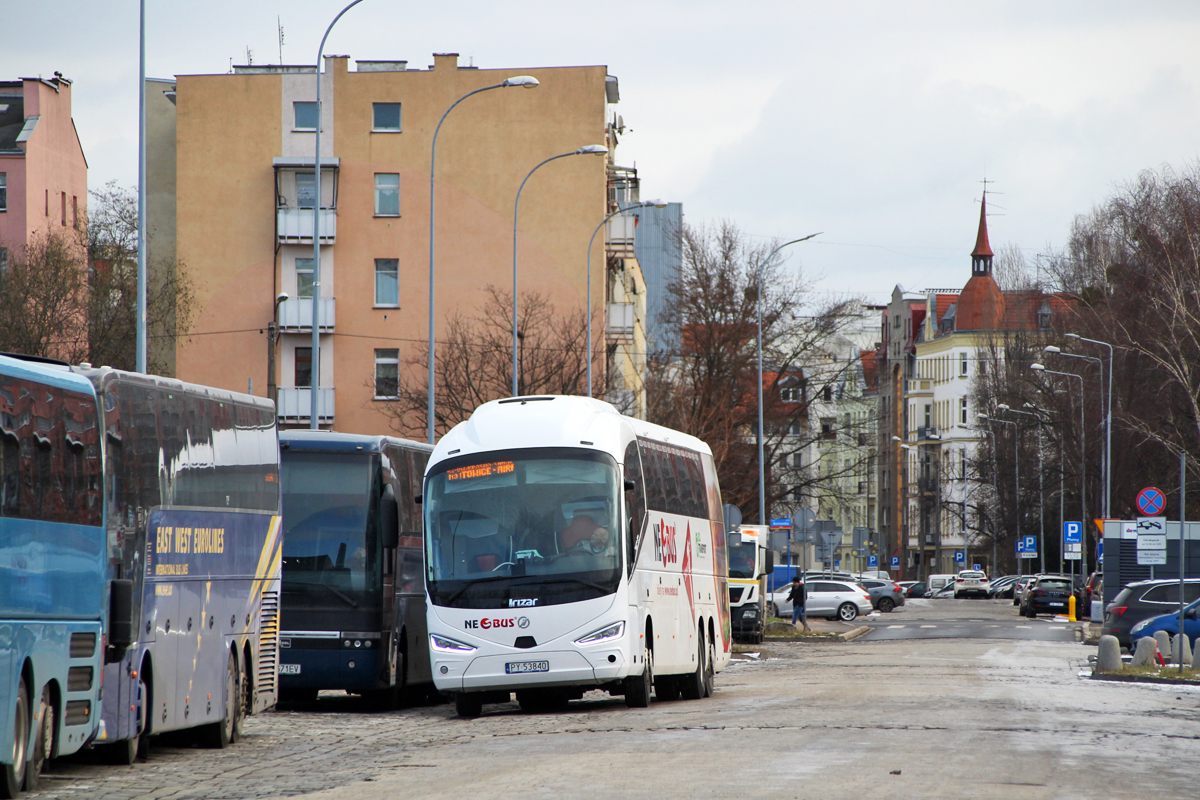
(635, 500)
(420, 458)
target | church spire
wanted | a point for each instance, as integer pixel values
(981, 256)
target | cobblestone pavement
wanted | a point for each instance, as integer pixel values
(930, 719)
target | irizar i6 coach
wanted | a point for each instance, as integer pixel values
(569, 548)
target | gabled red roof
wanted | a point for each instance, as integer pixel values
(982, 248)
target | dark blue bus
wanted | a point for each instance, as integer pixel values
(353, 611)
(140, 562)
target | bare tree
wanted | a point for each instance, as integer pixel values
(708, 387)
(43, 295)
(474, 363)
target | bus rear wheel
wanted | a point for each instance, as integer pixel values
(43, 741)
(12, 775)
(218, 735)
(693, 683)
(710, 670)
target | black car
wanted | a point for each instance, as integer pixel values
(917, 589)
(1142, 600)
(1048, 594)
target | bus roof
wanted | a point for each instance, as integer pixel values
(551, 421)
(49, 374)
(306, 439)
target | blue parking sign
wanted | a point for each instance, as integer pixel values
(959, 557)
(895, 562)
(872, 562)
(1073, 532)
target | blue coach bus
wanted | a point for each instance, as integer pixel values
(139, 562)
(353, 610)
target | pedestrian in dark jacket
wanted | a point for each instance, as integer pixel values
(796, 597)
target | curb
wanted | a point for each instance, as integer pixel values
(849, 636)
(1118, 677)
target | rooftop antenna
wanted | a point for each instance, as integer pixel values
(249, 56)
(279, 25)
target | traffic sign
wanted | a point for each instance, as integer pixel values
(785, 522)
(1151, 501)
(1151, 558)
(1100, 551)
(1152, 542)
(959, 557)
(895, 562)
(1151, 526)
(976, 567)
(1073, 532)
(872, 562)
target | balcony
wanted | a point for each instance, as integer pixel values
(295, 314)
(295, 225)
(927, 432)
(295, 404)
(621, 319)
(620, 235)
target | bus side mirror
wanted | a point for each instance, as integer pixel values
(120, 614)
(389, 519)
(770, 561)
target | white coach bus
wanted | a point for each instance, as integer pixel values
(570, 548)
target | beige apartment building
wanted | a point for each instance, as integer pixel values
(231, 189)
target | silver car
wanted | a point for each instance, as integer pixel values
(834, 599)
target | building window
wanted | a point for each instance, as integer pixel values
(306, 189)
(386, 117)
(387, 282)
(928, 415)
(306, 116)
(962, 365)
(387, 374)
(303, 372)
(827, 394)
(304, 277)
(75, 212)
(387, 194)
(3, 260)
(798, 460)
(962, 410)
(828, 428)
(796, 427)
(63, 198)
(3, 191)
(789, 394)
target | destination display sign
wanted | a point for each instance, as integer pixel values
(479, 470)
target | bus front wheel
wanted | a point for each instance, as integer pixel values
(12, 774)
(638, 687)
(468, 704)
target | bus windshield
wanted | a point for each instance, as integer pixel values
(523, 527)
(326, 515)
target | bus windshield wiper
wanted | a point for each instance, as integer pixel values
(458, 592)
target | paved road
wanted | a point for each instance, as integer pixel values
(929, 718)
(962, 619)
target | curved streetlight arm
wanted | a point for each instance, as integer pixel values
(762, 486)
(522, 80)
(591, 242)
(586, 150)
(315, 379)
(1082, 447)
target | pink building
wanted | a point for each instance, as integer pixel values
(43, 173)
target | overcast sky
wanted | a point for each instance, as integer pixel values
(874, 122)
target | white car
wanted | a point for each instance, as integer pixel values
(835, 599)
(971, 582)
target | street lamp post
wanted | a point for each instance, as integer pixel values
(762, 486)
(588, 354)
(1106, 456)
(1107, 425)
(1041, 495)
(1082, 452)
(1016, 472)
(995, 488)
(589, 149)
(529, 82)
(315, 380)
(904, 506)
(272, 336)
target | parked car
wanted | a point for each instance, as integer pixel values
(1169, 623)
(971, 582)
(1019, 587)
(936, 582)
(885, 595)
(1143, 600)
(914, 588)
(1046, 594)
(945, 592)
(876, 575)
(1002, 587)
(835, 599)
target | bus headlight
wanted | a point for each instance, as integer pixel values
(447, 645)
(605, 634)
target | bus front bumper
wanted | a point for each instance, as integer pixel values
(554, 668)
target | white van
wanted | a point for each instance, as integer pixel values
(936, 582)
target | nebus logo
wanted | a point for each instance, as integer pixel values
(664, 543)
(488, 624)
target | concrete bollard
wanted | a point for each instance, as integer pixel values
(1108, 657)
(1184, 657)
(1164, 643)
(1144, 655)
